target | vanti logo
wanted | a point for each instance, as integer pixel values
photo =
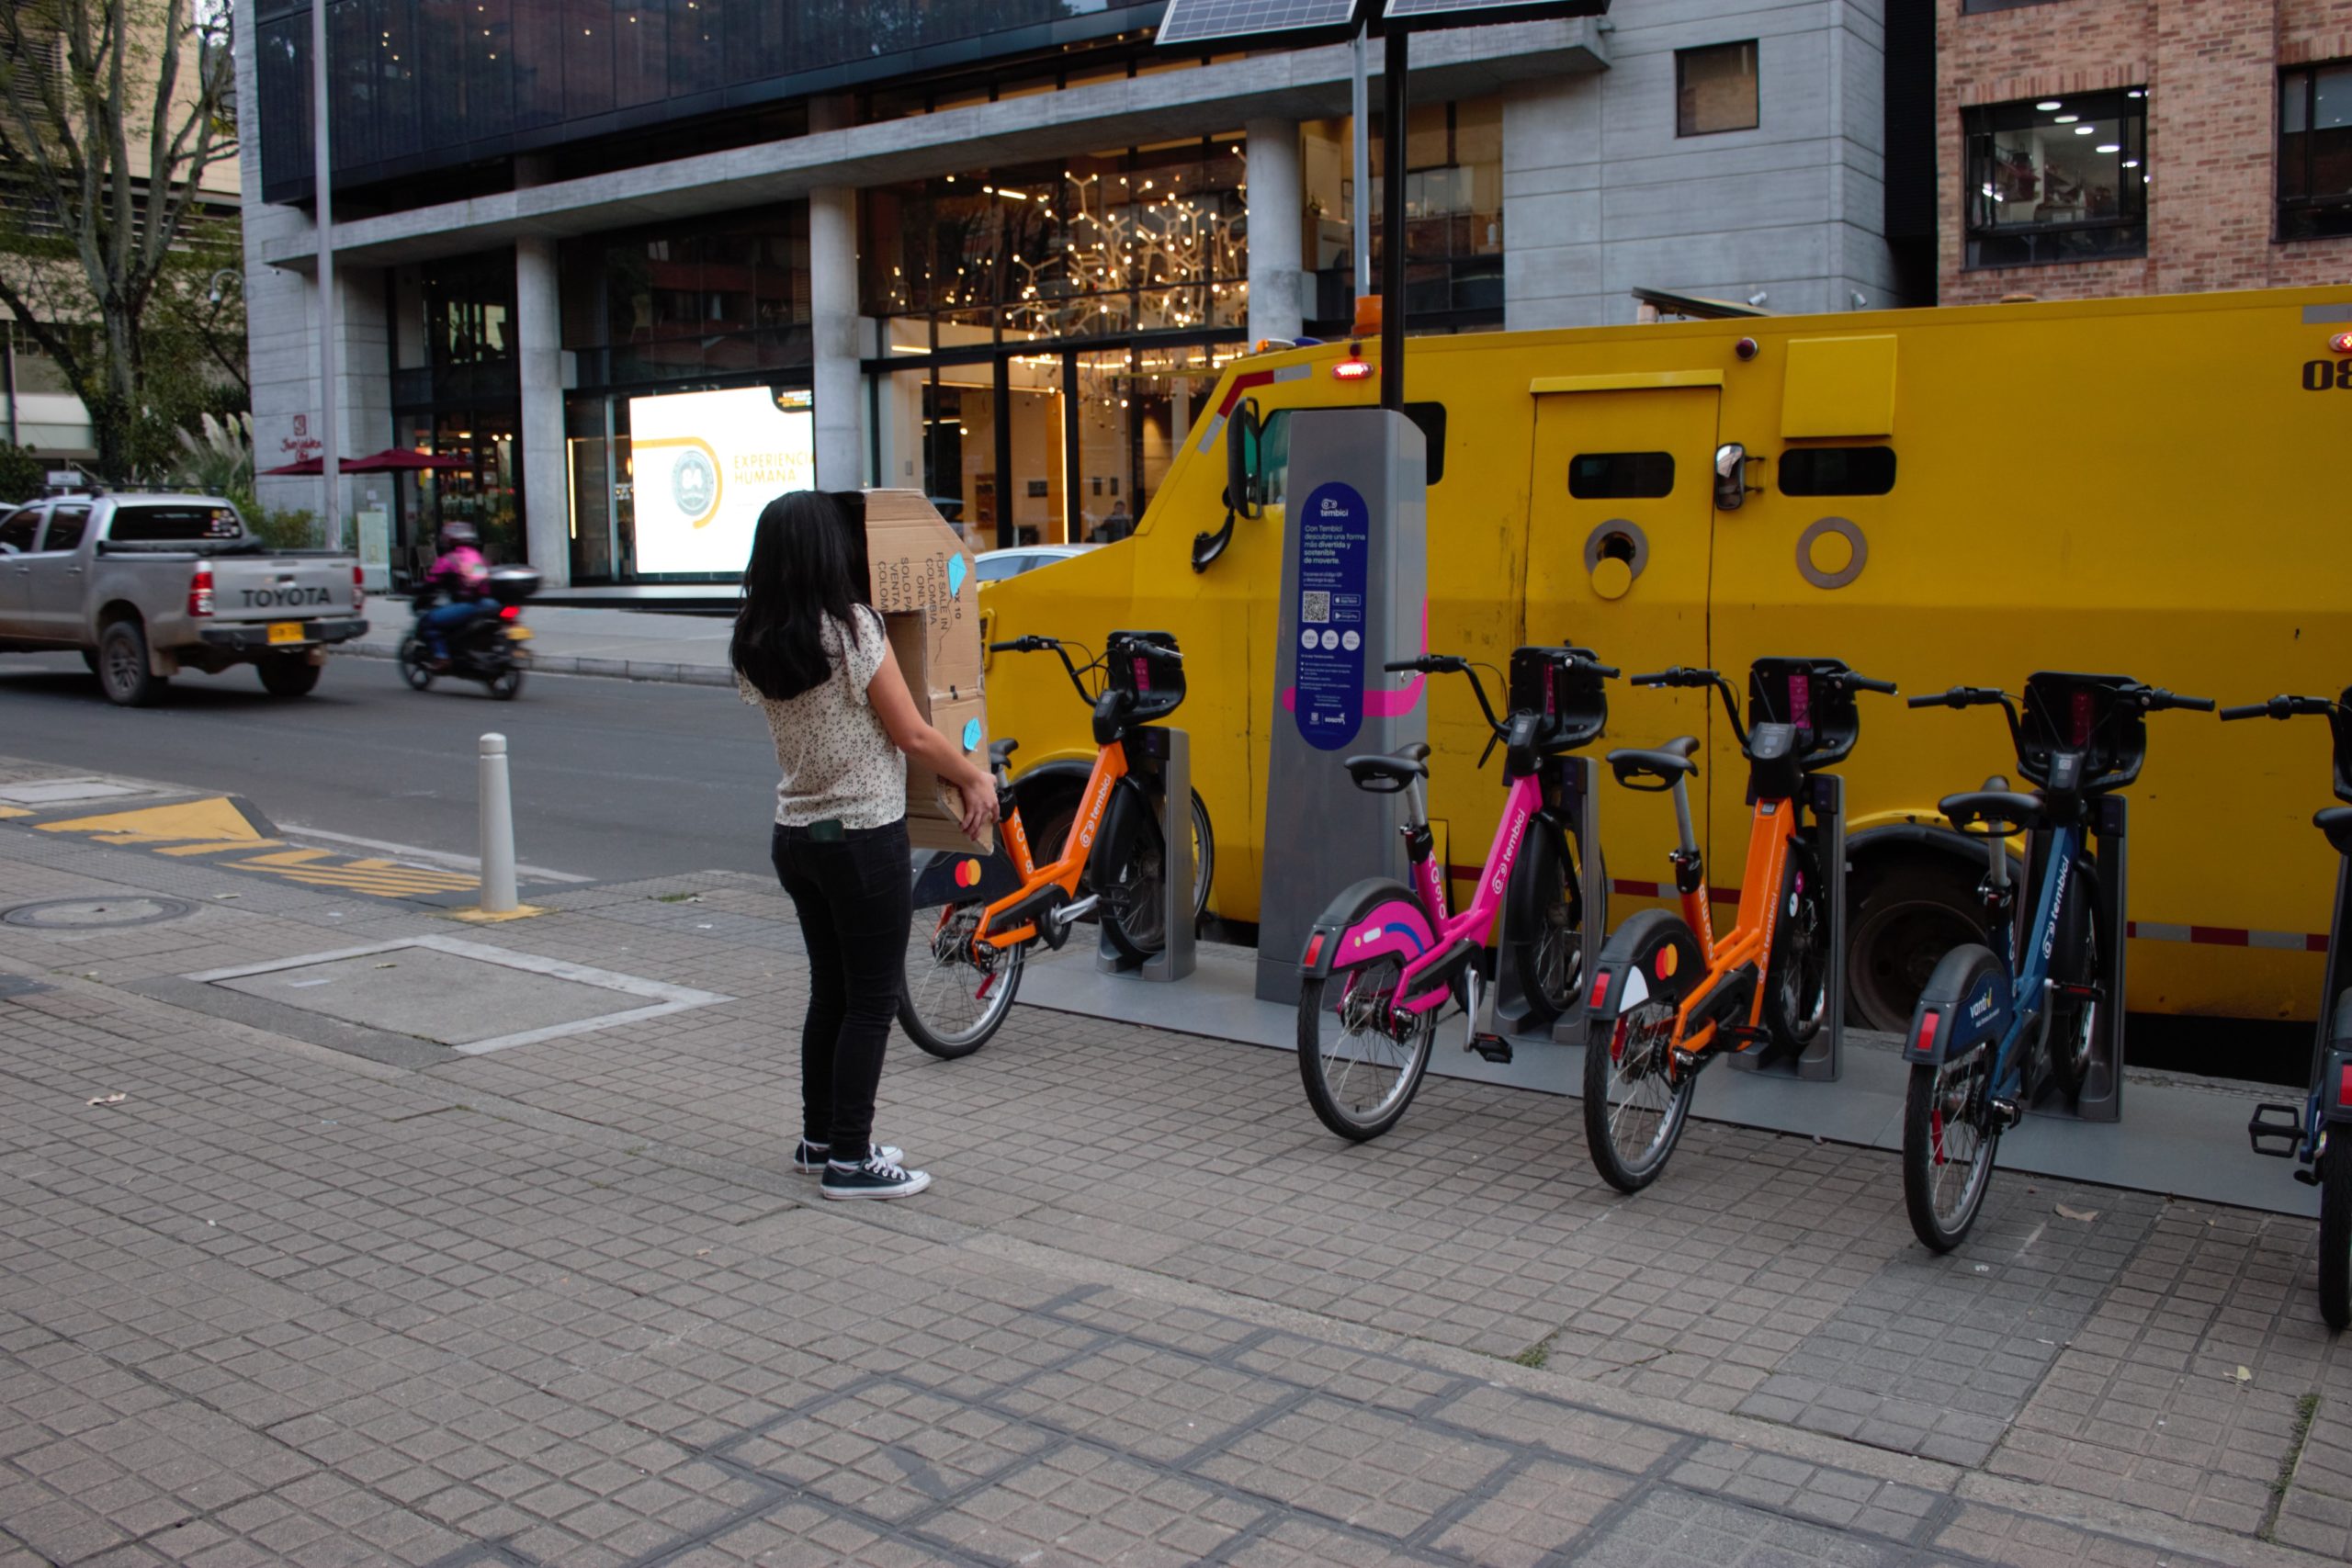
(1980, 1007)
(1332, 508)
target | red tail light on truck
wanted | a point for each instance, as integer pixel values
(199, 591)
(358, 589)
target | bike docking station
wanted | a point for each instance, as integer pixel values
(1505, 1013)
(1160, 761)
(1353, 598)
(1818, 1061)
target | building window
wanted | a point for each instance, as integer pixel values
(2315, 152)
(1714, 89)
(2058, 179)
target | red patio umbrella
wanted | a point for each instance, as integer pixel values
(310, 466)
(401, 459)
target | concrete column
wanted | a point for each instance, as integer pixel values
(832, 310)
(1277, 208)
(1551, 233)
(538, 355)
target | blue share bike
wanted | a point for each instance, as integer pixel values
(2317, 1134)
(2003, 1022)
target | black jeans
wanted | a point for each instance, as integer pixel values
(852, 893)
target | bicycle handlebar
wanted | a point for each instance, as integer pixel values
(1864, 683)
(1960, 697)
(2280, 706)
(2160, 699)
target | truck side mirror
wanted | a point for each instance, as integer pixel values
(1245, 480)
(1731, 476)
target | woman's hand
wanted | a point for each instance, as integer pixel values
(978, 792)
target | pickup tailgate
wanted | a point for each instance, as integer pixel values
(258, 588)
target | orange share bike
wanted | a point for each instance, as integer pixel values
(975, 916)
(1668, 994)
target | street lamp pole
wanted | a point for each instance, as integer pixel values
(330, 464)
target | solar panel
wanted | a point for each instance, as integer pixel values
(1199, 21)
(1466, 13)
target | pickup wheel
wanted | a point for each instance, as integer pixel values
(123, 673)
(287, 674)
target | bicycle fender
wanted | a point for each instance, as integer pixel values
(1653, 954)
(952, 876)
(1946, 1020)
(1373, 919)
(1125, 816)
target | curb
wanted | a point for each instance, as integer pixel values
(570, 664)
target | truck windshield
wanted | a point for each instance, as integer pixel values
(174, 524)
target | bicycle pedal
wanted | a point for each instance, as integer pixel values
(2307, 1176)
(2074, 992)
(1493, 1048)
(2276, 1129)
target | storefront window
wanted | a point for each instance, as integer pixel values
(2058, 179)
(455, 393)
(690, 301)
(1145, 240)
(2315, 152)
(1454, 216)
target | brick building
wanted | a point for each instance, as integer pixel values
(2105, 147)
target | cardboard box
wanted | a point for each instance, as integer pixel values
(924, 580)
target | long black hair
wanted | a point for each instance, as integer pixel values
(798, 575)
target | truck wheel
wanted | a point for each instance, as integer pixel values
(1913, 911)
(287, 674)
(123, 673)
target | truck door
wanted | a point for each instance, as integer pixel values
(55, 577)
(1619, 535)
(19, 531)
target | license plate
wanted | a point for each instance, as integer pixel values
(285, 631)
(518, 634)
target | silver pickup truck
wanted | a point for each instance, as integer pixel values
(145, 586)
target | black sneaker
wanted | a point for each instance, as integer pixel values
(810, 1159)
(872, 1178)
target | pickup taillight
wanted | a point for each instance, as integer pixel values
(358, 589)
(199, 591)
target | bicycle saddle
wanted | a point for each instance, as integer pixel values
(1668, 764)
(2336, 821)
(1386, 773)
(999, 750)
(1996, 805)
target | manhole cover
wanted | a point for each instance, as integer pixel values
(95, 914)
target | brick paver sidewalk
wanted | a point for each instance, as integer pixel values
(299, 1296)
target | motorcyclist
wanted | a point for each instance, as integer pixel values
(463, 577)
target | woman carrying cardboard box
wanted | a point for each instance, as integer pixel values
(819, 664)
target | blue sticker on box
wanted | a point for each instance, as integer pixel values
(1332, 536)
(955, 569)
(971, 733)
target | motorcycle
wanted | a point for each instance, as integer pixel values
(488, 647)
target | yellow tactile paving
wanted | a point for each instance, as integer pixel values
(219, 827)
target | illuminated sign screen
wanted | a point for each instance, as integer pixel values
(704, 465)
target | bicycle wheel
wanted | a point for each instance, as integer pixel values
(1796, 988)
(2074, 1021)
(2336, 1235)
(951, 999)
(1360, 1074)
(1635, 1106)
(1949, 1133)
(1131, 875)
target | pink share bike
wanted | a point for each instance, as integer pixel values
(1384, 957)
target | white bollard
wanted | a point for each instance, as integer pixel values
(497, 831)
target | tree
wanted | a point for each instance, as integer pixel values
(110, 113)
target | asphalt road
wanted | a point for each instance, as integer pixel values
(613, 780)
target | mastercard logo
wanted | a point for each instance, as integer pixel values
(967, 874)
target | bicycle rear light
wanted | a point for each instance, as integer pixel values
(1926, 1039)
(2343, 1089)
(1314, 951)
(1601, 991)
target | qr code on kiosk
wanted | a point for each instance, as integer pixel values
(1315, 607)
